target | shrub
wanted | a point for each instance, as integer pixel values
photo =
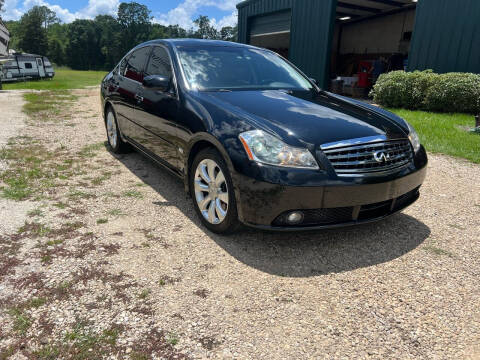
(425, 90)
(391, 89)
(455, 92)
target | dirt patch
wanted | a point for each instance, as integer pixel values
(111, 257)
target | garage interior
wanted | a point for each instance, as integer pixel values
(369, 37)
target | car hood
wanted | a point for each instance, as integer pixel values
(307, 116)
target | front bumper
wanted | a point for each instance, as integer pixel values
(336, 203)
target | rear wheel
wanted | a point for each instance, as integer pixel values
(113, 133)
(212, 192)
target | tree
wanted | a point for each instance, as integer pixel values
(110, 40)
(205, 30)
(229, 33)
(32, 35)
(83, 49)
(14, 30)
(55, 52)
(1, 4)
(49, 17)
(134, 20)
(175, 31)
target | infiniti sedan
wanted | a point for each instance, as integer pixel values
(257, 142)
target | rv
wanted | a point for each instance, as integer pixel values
(26, 66)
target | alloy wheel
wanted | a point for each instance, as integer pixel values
(211, 191)
(111, 130)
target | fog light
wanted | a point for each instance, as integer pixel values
(295, 217)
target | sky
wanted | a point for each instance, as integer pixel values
(166, 12)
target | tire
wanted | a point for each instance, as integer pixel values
(214, 200)
(114, 139)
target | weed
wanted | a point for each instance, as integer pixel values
(172, 339)
(133, 194)
(167, 280)
(91, 149)
(144, 294)
(77, 194)
(102, 221)
(35, 212)
(21, 321)
(60, 205)
(48, 352)
(34, 229)
(54, 242)
(36, 302)
(438, 251)
(46, 259)
(138, 356)
(100, 179)
(116, 212)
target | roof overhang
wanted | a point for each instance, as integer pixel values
(354, 10)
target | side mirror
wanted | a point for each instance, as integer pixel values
(156, 82)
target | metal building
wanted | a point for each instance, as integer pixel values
(326, 38)
(4, 38)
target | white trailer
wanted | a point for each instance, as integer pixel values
(26, 66)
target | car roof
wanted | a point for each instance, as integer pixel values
(195, 43)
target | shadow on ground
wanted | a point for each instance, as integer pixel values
(293, 254)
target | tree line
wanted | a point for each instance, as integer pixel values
(100, 43)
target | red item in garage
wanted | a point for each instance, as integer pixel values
(363, 81)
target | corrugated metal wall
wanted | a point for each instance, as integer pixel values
(446, 36)
(311, 31)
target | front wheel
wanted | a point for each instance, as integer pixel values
(212, 192)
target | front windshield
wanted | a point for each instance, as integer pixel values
(236, 68)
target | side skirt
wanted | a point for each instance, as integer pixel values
(155, 158)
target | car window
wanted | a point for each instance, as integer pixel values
(238, 68)
(123, 65)
(136, 63)
(159, 63)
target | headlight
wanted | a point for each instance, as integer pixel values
(267, 149)
(413, 136)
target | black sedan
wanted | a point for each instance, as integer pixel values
(256, 141)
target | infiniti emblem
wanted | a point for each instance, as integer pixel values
(381, 156)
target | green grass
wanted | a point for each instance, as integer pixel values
(64, 79)
(21, 321)
(445, 133)
(144, 294)
(172, 339)
(133, 194)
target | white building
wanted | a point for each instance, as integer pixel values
(4, 39)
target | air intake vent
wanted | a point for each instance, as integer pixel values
(353, 158)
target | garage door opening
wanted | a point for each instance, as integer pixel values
(271, 32)
(371, 37)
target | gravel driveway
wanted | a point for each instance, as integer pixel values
(112, 262)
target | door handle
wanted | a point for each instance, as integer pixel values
(139, 98)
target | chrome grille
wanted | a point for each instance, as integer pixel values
(369, 157)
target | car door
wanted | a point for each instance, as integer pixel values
(128, 84)
(157, 110)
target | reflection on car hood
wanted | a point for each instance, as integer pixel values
(314, 118)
